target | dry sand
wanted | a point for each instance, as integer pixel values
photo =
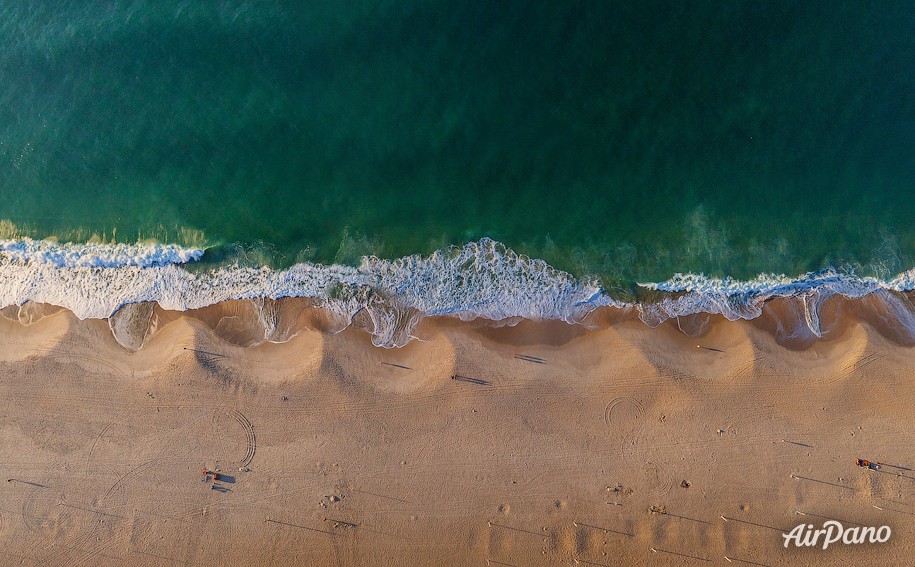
(339, 453)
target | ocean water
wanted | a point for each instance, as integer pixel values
(479, 159)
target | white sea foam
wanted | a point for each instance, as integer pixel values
(94, 255)
(735, 299)
(482, 279)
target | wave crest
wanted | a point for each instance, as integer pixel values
(92, 255)
(736, 299)
(483, 279)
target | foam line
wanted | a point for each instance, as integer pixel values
(736, 299)
(92, 255)
(481, 279)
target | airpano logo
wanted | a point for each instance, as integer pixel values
(833, 532)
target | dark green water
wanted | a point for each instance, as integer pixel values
(629, 140)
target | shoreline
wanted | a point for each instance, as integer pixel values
(134, 286)
(366, 455)
(793, 322)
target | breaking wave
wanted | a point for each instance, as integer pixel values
(734, 299)
(124, 283)
(91, 255)
(479, 280)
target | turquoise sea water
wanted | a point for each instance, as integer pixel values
(629, 141)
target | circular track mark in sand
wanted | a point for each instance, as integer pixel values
(624, 418)
(658, 478)
(250, 439)
(41, 513)
(624, 415)
(222, 442)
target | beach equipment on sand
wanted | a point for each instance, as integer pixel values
(208, 473)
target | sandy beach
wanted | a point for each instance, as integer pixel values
(539, 444)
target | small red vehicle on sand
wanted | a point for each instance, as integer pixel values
(868, 464)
